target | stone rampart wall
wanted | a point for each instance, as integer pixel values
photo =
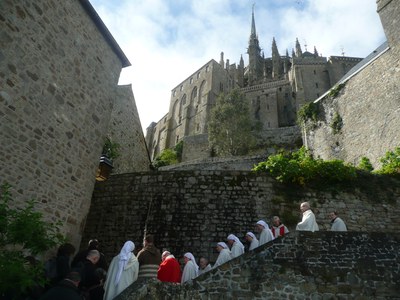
(196, 148)
(58, 81)
(368, 105)
(126, 130)
(193, 210)
(302, 265)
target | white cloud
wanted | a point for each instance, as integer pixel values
(168, 40)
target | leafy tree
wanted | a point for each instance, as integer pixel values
(231, 131)
(23, 234)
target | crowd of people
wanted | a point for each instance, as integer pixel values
(91, 277)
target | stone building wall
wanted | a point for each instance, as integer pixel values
(193, 210)
(126, 130)
(59, 72)
(302, 265)
(369, 105)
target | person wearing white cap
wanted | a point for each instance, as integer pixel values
(191, 269)
(224, 254)
(252, 239)
(265, 233)
(123, 271)
(237, 247)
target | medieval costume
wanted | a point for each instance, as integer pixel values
(308, 222)
(265, 234)
(169, 270)
(224, 254)
(280, 230)
(254, 241)
(338, 225)
(123, 271)
(237, 246)
(190, 271)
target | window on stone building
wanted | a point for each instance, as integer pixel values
(181, 88)
(198, 75)
(177, 139)
(267, 106)
(207, 68)
(317, 95)
(191, 80)
(198, 127)
(269, 125)
(221, 87)
(316, 84)
(174, 93)
(315, 72)
(280, 89)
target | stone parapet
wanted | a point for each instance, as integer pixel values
(302, 265)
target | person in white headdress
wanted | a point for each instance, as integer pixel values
(252, 239)
(308, 222)
(265, 233)
(236, 245)
(123, 271)
(191, 269)
(224, 254)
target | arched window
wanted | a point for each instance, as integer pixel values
(194, 95)
(201, 91)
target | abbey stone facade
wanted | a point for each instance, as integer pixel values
(275, 88)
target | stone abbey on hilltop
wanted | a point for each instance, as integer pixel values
(275, 88)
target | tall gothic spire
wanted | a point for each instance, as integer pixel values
(298, 48)
(254, 51)
(253, 33)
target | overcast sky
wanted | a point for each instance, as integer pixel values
(168, 40)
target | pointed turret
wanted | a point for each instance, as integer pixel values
(298, 48)
(315, 51)
(221, 60)
(255, 66)
(276, 60)
(240, 71)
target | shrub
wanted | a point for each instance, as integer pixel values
(23, 234)
(337, 123)
(390, 163)
(167, 157)
(308, 113)
(300, 167)
(365, 164)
